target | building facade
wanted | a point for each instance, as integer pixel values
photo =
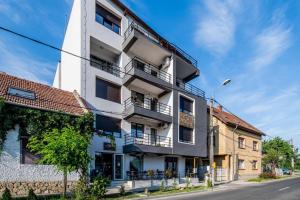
(137, 84)
(237, 147)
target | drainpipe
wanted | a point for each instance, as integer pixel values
(233, 156)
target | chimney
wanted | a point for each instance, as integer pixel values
(220, 108)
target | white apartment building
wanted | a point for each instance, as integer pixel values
(136, 82)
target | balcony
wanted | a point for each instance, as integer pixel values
(141, 74)
(105, 66)
(148, 144)
(190, 88)
(150, 110)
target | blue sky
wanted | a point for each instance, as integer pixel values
(255, 43)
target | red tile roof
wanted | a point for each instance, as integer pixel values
(46, 97)
(232, 120)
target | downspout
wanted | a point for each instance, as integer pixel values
(233, 153)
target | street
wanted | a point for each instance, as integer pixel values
(282, 190)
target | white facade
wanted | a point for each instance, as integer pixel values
(85, 37)
(11, 170)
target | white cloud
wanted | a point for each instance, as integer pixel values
(7, 10)
(18, 62)
(271, 42)
(216, 27)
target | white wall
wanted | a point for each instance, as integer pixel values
(11, 169)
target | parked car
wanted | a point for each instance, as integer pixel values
(286, 171)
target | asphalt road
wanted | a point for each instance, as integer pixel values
(281, 190)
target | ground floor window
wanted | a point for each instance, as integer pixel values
(254, 164)
(27, 157)
(189, 166)
(241, 164)
(136, 164)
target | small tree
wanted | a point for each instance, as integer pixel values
(98, 188)
(65, 149)
(6, 195)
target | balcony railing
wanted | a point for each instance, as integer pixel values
(190, 88)
(148, 68)
(162, 42)
(105, 66)
(148, 104)
(148, 139)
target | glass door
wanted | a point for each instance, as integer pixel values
(119, 166)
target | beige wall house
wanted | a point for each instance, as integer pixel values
(237, 147)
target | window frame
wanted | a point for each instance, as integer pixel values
(105, 132)
(191, 112)
(255, 146)
(105, 20)
(108, 85)
(254, 165)
(243, 144)
(135, 134)
(243, 164)
(185, 141)
(30, 97)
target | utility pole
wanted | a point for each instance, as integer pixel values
(211, 141)
(292, 160)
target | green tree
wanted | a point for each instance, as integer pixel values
(278, 153)
(66, 149)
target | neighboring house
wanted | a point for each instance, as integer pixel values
(237, 147)
(138, 82)
(18, 168)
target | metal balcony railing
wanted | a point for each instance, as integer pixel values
(148, 68)
(148, 104)
(190, 88)
(148, 139)
(162, 42)
(105, 66)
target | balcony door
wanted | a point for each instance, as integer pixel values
(153, 137)
(138, 98)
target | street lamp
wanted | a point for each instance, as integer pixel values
(211, 132)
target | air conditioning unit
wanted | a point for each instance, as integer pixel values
(163, 125)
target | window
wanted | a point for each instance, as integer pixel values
(241, 143)
(137, 130)
(108, 91)
(108, 126)
(107, 19)
(27, 157)
(136, 164)
(241, 164)
(254, 164)
(255, 146)
(185, 134)
(171, 163)
(21, 93)
(186, 105)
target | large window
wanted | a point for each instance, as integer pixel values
(137, 130)
(241, 143)
(27, 157)
(107, 19)
(108, 91)
(21, 93)
(136, 164)
(185, 134)
(186, 105)
(108, 126)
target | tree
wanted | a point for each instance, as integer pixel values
(67, 150)
(278, 153)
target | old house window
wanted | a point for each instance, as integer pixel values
(254, 164)
(241, 143)
(241, 164)
(255, 146)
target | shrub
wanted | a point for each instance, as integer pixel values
(168, 173)
(174, 184)
(268, 175)
(98, 188)
(187, 182)
(31, 195)
(6, 195)
(209, 183)
(162, 186)
(122, 190)
(150, 173)
(81, 190)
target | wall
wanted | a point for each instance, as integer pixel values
(18, 176)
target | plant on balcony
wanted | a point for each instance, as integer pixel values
(150, 173)
(168, 173)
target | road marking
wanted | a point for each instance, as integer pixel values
(283, 188)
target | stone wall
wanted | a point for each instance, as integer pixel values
(22, 188)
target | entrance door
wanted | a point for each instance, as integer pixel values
(189, 166)
(119, 167)
(171, 164)
(104, 164)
